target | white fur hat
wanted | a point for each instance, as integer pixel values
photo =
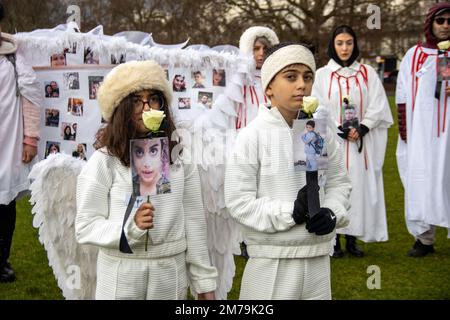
(8, 45)
(249, 36)
(283, 57)
(128, 78)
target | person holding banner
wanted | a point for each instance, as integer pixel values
(174, 222)
(20, 101)
(344, 86)
(423, 149)
(289, 252)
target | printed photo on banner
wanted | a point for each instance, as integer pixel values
(310, 150)
(198, 77)
(80, 151)
(179, 83)
(91, 57)
(51, 89)
(72, 80)
(94, 85)
(349, 114)
(184, 103)
(150, 162)
(218, 78)
(52, 118)
(205, 99)
(75, 107)
(58, 60)
(69, 131)
(52, 147)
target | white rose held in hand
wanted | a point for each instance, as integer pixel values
(152, 119)
(310, 104)
(444, 45)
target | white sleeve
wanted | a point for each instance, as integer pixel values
(29, 85)
(401, 91)
(378, 113)
(262, 214)
(92, 225)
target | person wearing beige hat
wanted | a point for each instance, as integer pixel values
(289, 252)
(20, 101)
(177, 254)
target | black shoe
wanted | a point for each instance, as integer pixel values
(337, 252)
(352, 248)
(7, 275)
(244, 253)
(420, 250)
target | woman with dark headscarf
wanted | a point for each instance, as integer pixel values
(423, 149)
(344, 84)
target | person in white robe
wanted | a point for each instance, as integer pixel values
(20, 99)
(423, 149)
(346, 81)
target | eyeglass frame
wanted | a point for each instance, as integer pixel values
(155, 97)
(443, 20)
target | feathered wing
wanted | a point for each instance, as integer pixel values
(53, 193)
(213, 134)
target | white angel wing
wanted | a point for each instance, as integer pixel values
(53, 193)
(214, 132)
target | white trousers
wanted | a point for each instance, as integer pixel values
(427, 238)
(141, 279)
(287, 279)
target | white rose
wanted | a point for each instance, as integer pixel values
(152, 119)
(310, 104)
(444, 45)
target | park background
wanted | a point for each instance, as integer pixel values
(173, 21)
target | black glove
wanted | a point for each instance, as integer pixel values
(322, 222)
(301, 207)
(362, 130)
(344, 133)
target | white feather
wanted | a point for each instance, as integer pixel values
(53, 194)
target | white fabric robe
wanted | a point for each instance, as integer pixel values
(368, 211)
(13, 172)
(424, 161)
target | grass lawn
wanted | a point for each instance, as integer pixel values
(401, 277)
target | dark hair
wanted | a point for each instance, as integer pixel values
(121, 128)
(332, 54)
(311, 123)
(2, 11)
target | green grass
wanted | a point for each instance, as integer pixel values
(402, 277)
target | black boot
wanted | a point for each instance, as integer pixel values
(6, 272)
(352, 248)
(420, 250)
(244, 253)
(7, 226)
(338, 253)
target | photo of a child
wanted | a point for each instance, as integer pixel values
(310, 152)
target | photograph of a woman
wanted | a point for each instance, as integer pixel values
(150, 166)
(179, 83)
(219, 78)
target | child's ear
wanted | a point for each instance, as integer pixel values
(268, 91)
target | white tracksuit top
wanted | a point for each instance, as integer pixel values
(103, 190)
(261, 187)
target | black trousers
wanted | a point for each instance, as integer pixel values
(7, 226)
